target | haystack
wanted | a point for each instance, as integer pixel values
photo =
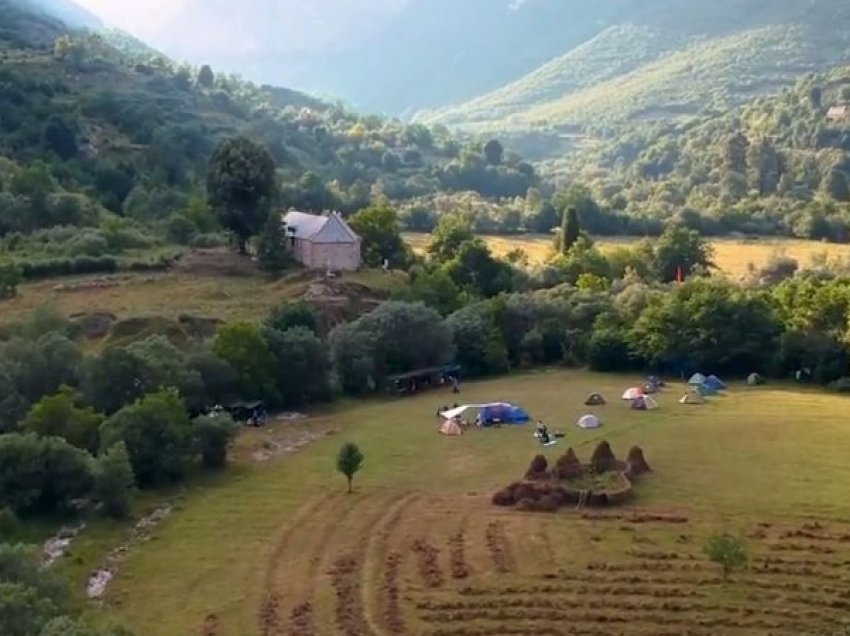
(603, 458)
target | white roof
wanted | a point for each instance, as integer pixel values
(327, 228)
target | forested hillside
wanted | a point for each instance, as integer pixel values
(664, 60)
(778, 165)
(99, 131)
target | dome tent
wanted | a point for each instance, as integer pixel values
(588, 421)
(715, 383)
(633, 393)
(697, 379)
(692, 397)
(594, 399)
(705, 389)
(450, 427)
(644, 403)
(503, 413)
(754, 379)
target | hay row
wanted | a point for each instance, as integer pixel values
(457, 556)
(392, 610)
(499, 547)
(345, 578)
(427, 559)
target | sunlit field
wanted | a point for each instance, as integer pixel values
(278, 547)
(731, 256)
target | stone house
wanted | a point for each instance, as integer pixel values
(323, 241)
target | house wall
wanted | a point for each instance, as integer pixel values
(339, 256)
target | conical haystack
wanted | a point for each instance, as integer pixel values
(537, 470)
(568, 466)
(637, 462)
(603, 458)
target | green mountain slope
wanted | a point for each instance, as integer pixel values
(775, 165)
(666, 64)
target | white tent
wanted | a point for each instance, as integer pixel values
(460, 410)
(588, 421)
(644, 403)
(697, 378)
(633, 393)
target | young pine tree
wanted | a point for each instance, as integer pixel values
(349, 461)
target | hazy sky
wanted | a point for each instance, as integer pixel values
(131, 15)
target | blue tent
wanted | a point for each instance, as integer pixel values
(706, 389)
(715, 383)
(503, 414)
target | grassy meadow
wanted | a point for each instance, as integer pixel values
(277, 547)
(731, 256)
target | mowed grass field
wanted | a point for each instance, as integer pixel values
(731, 256)
(279, 548)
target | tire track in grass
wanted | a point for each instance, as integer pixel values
(272, 621)
(381, 568)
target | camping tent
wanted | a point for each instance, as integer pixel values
(588, 421)
(754, 379)
(655, 381)
(644, 403)
(594, 399)
(705, 389)
(450, 427)
(697, 379)
(650, 388)
(633, 393)
(692, 397)
(492, 413)
(715, 383)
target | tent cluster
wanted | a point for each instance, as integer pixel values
(640, 397)
(701, 387)
(486, 415)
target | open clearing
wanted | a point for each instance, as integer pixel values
(277, 548)
(732, 256)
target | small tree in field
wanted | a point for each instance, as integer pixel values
(728, 551)
(349, 461)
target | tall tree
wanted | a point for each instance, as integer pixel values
(241, 186)
(680, 249)
(114, 482)
(272, 253)
(378, 227)
(570, 229)
(447, 237)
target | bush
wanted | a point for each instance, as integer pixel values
(212, 435)
(42, 474)
(157, 433)
(10, 524)
(113, 481)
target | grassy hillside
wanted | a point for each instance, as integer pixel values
(425, 550)
(665, 61)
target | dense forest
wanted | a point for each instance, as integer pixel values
(99, 133)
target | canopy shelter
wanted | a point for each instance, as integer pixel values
(644, 403)
(633, 393)
(715, 383)
(253, 411)
(421, 379)
(589, 421)
(697, 379)
(491, 413)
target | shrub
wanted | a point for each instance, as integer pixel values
(728, 551)
(603, 458)
(113, 481)
(212, 436)
(10, 524)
